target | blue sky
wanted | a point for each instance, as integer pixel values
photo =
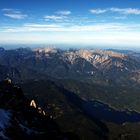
(81, 22)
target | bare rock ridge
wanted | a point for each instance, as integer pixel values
(40, 110)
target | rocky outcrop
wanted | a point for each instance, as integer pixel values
(33, 104)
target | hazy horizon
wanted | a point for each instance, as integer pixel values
(67, 46)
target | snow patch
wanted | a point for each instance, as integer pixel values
(5, 117)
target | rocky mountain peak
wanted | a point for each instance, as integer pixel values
(45, 50)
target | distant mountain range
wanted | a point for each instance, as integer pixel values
(81, 64)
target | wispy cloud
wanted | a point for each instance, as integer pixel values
(98, 11)
(58, 16)
(98, 34)
(120, 17)
(63, 12)
(106, 27)
(118, 38)
(54, 17)
(34, 25)
(14, 14)
(125, 11)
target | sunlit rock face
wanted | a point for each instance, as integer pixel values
(33, 104)
(45, 50)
